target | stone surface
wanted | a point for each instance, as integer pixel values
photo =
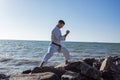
(39, 76)
(58, 72)
(3, 77)
(69, 75)
(89, 61)
(109, 65)
(108, 75)
(97, 65)
(83, 68)
(61, 66)
(27, 71)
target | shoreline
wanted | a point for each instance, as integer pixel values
(85, 69)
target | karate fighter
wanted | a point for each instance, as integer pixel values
(55, 45)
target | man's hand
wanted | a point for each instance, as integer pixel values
(67, 32)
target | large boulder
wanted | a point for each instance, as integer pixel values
(58, 72)
(117, 62)
(83, 68)
(111, 68)
(69, 75)
(109, 65)
(108, 75)
(38, 76)
(89, 61)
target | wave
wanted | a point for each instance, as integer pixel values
(5, 59)
(26, 62)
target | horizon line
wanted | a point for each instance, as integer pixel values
(63, 41)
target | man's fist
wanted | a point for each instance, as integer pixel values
(67, 32)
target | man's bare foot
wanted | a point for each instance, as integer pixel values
(67, 62)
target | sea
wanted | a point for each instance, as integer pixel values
(19, 55)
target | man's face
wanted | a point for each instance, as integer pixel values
(61, 25)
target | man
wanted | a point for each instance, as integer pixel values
(55, 46)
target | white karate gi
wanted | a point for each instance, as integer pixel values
(56, 37)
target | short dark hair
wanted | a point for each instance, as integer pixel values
(61, 21)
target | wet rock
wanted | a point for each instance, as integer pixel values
(109, 65)
(97, 65)
(69, 75)
(58, 72)
(39, 76)
(116, 58)
(27, 71)
(110, 69)
(83, 68)
(88, 69)
(108, 75)
(61, 66)
(89, 61)
(82, 77)
(117, 62)
(3, 77)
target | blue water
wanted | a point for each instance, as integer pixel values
(16, 55)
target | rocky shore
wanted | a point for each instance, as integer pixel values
(86, 69)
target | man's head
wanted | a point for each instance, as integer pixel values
(61, 23)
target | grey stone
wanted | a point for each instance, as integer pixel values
(109, 65)
(89, 61)
(70, 76)
(4, 77)
(27, 71)
(58, 72)
(83, 68)
(108, 75)
(38, 76)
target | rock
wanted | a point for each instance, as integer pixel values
(108, 75)
(70, 76)
(82, 77)
(38, 76)
(58, 72)
(3, 77)
(27, 71)
(116, 58)
(89, 61)
(88, 69)
(83, 68)
(97, 65)
(117, 62)
(61, 66)
(110, 69)
(109, 65)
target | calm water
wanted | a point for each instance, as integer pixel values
(16, 56)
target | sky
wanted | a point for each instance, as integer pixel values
(88, 20)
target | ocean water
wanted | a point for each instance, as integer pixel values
(19, 55)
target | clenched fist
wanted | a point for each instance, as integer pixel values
(67, 32)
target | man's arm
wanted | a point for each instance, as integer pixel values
(63, 38)
(67, 32)
(59, 36)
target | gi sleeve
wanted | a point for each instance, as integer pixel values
(59, 36)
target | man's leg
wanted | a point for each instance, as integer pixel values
(49, 54)
(65, 54)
